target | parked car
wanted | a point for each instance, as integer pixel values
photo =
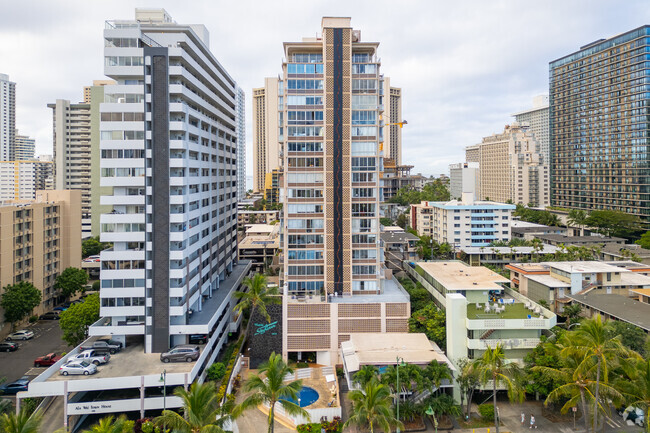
(46, 360)
(24, 334)
(103, 347)
(111, 342)
(91, 356)
(198, 339)
(183, 352)
(60, 308)
(78, 367)
(50, 315)
(8, 346)
(15, 387)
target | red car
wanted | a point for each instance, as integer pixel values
(46, 360)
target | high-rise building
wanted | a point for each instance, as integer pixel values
(43, 172)
(267, 130)
(511, 168)
(463, 177)
(598, 126)
(17, 180)
(393, 115)
(537, 120)
(333, 260)
(23, 147)
(7, 117)
(241, 143)
(88, 90)
(168, 137)
(39, 239)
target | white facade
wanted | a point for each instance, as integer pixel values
(17, 181)
(7, 117)
(169, 153)
(463, 177)
(537, 119)
(241, 143)
(464, 223)
(23, 147)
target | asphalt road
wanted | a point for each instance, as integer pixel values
(47, 339)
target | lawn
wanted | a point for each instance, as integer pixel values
(513, 311)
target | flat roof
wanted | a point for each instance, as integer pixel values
(260, 228)
(396, 229)
(622, 308)
(580, 239)
(383, 349)
(586, 267)
(628, 264)
(547, 280)
(546, 249)
(526, 224)
(392, 237)
(528, 267)
(644, 292)
(634, 279)
(393, 292)
(456, 275)
(259, 242)
(633, 248)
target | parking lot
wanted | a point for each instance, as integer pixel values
(47, 338)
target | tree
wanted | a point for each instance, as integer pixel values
(543, 355)
(402, 221)
(22, 422)
(410, 377)
(435, 191)
(71, 281)
(436, 372)
(386, 222)
(18, 300)
(431, 321)
(92, 246)
(493, 366)
(443, 405)
(636, 386)
(371, 406)
(365, 375)
(632, 337)
(614, 223)
(572, 313)
(644, 241)
(110, 424)
(592, 339)
(257, 296)
(468, 381)
(577, 217)
(268, 387)
(76, 320)
(201, 412)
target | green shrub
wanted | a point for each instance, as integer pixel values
(487, 411)
(95, 287)
(33, 319)
(216, 371)
(302, 365)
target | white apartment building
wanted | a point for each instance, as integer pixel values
(24, 147)
(511, 167)
(7, 117)
(463, 177)
(17, 180)
(240, 102)
(463, 223)
(538, 121)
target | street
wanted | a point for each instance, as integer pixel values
(47, 338)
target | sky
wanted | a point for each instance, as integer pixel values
(464, 66)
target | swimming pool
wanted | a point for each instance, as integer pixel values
(306, 396)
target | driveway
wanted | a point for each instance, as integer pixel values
(47, 338)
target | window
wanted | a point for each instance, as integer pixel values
(305, 131)
(364, 102)
(364, 225)
(364, 69)
(304, 117)
(315, 223)
(364, 117)
(308, 58)
(364, 270)
(295, 240)
(360, 57)
(305, 147)
(364, 84)
(363, 192)
(304, 208)
(305, 177)
(364, 254)
(305, 254)
(364, 285)
(363, 164)
(363, 209)
(363, 177)
(301, 68)
(305, 193)
(364, 239)
(364, 131)
(299, 286)
(304, 100)
(305, 270)
(306, 84)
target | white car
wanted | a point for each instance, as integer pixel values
(21, 335)
(78, 367)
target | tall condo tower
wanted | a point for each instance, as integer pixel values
(268, 131)
(599, 126)
(332, 159)
(241, 143)
(168, 150)
(7, 118)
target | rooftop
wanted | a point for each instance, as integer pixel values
(456, 276)
(585, 267)
(401, 237)
(547, 280)
(573, 240)
(632, 266)
(617, 306)
(644, 292)
(396, 229)
(468, 204)
(393, 292)
(617, 249)
(525, 224)
(260, 228)
(383, 349)
(512, 311)
(259, 242)
(546, 249)
(528, 267)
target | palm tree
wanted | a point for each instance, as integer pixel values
(201, 412)
(467, 380)
(257, 297)
(572, 313)
(577, 217)
(493, 366)
(371, 407)
(365, 375)
(269, 388)
(110, 424)
(592, 340)
(636, 386)
(436, 372)
(23, 422)
(410, 376)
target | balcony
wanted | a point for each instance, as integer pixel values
(506, 343)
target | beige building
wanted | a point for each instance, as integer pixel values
(511, 167)
(17, 180)
(39, 239)
(335, 281)
(267, 130)
(393, 114)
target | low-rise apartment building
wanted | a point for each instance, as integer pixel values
(555, 282)
(260, 246)
(39, 239)
(463, 223)
(482, 310)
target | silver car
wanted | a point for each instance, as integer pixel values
(78, 367)
(24, 334)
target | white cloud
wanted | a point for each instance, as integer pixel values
(464, 66)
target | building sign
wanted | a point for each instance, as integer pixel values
(265, 328)
(266, 337)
